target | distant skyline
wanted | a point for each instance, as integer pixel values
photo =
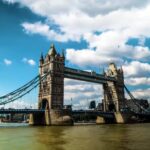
(93, 33)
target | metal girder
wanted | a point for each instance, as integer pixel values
(25, 89)
(21, 111)
(86, 76)
(92, 112)
(76, 77)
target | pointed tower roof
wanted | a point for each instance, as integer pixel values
(121, 69)
(63, 53)
(41, 58)
(52, 50)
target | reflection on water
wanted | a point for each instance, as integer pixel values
(92, 137)
(51, 137)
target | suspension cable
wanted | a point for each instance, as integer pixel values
(134, 100)
(25, 89)
(21, 88)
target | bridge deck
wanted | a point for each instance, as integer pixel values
(20, 111)
(86, 76)
(93, 112)
(74, 112)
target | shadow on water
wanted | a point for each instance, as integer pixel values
(92, 137)
(125, 137)
(115, 137)
(51, 137)
(84, 137)
(103, 137)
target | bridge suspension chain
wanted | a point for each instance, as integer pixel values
(23, 90)
(134, 101)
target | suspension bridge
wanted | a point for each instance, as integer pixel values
(50, 82)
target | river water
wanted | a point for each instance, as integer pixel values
(90, 137)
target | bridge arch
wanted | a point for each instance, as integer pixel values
(111, 107)
(44, 104)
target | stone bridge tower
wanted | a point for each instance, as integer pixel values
(51, 90)
(114, 97)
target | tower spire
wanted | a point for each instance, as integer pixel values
(121, 68)
(52, 50)
(63, 53)
(41, 58)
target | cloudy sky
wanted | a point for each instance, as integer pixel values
(93, 34)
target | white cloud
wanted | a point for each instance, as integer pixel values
(7, 62)
(81, 93)
(86, 57)
(44, 30)
(114, 29)
(31, 62)
(137, 81)
(47, 7)
(113, 43)
(136, 69)
(137, 73)
(80, 19)
(20, 105)
(142, 93)
(79, 22)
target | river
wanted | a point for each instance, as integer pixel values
(90, 137)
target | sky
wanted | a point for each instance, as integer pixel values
(93, 34)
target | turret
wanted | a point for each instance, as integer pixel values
(112, 70)
(52, 51)
(114, 91)
(63, 53)
(41, 59)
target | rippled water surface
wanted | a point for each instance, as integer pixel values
(91, 137)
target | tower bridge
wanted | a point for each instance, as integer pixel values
(52, 71)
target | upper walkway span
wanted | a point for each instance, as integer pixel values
(87, 76)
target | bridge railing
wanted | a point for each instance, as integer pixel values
(16, 111)
(70, 72)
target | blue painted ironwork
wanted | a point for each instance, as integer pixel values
(21, 111)
(141, 108)
(93, 112)
(87, 76)
(22, 91)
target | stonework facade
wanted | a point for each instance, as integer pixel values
(114, 97)
(51, 89)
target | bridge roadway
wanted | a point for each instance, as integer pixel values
(21, 111)
(93, 113)
(74, 112)
(86, 76)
